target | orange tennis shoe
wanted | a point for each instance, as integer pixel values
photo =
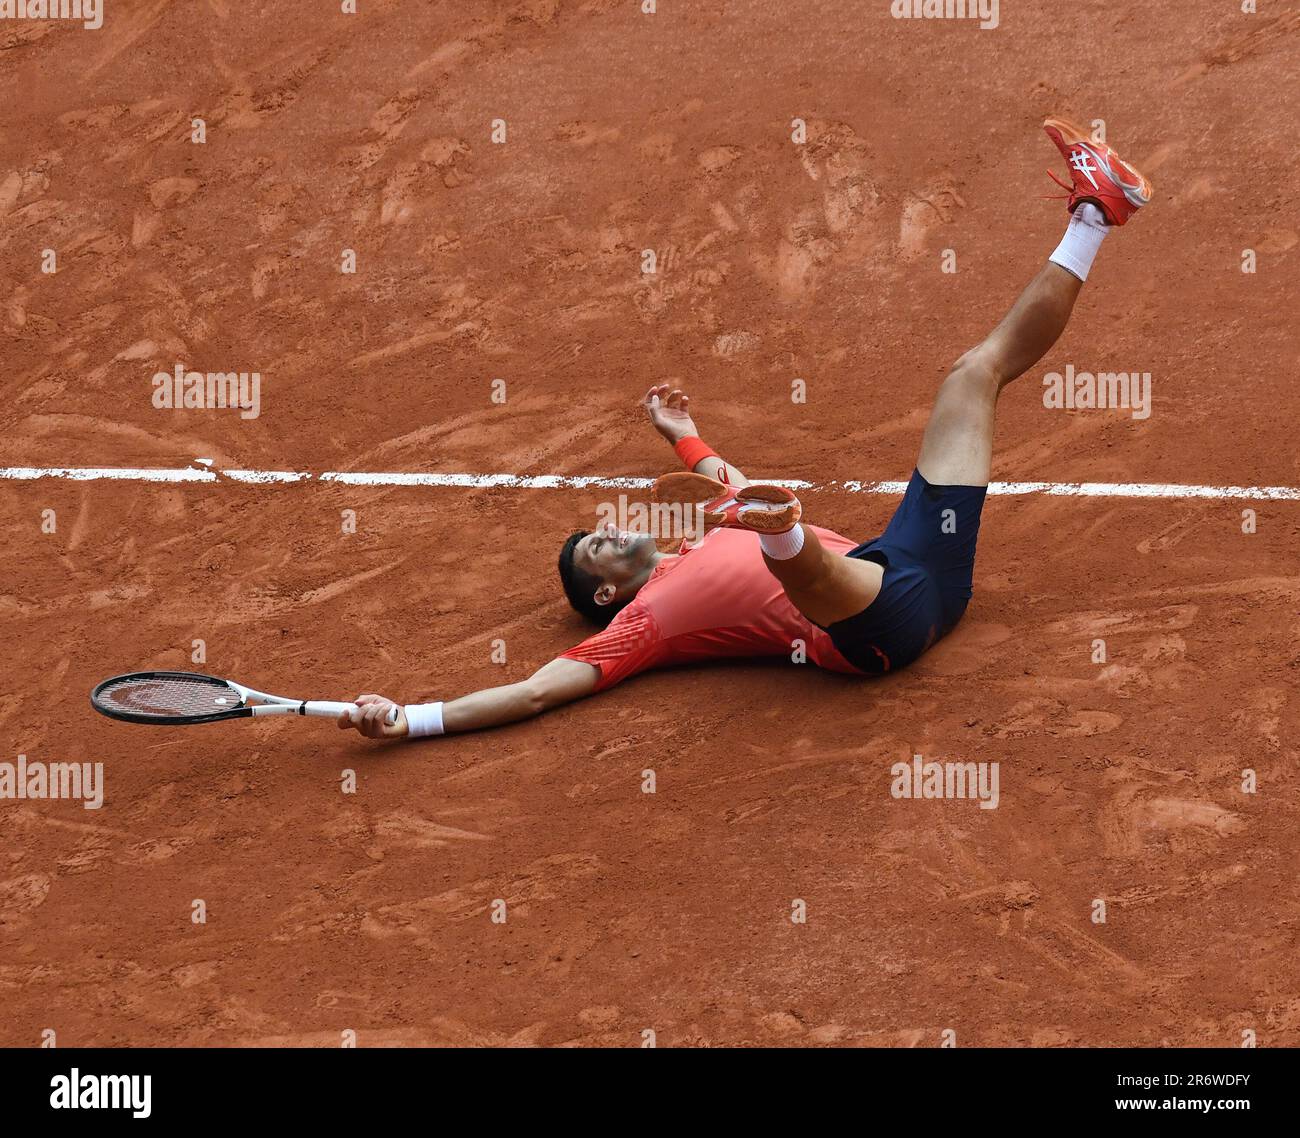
(1099, 174)
(763, 509)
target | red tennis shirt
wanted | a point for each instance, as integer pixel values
(714, 600)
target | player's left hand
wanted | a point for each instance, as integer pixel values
(669, 411)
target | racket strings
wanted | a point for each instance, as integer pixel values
(168, 696)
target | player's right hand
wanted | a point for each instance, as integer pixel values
(370, 718)
(669, 411)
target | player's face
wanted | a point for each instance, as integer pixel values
(614, 555)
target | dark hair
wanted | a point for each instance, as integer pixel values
(579, 585)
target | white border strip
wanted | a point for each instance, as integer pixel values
(584, 482)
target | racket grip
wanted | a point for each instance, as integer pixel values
(326, 709)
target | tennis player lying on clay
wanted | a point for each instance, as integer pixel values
(762, 581)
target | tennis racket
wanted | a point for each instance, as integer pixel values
(174, 698)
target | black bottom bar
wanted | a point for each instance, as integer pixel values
(366, 1085)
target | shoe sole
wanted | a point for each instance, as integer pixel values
(768, 509)
(764, 509)
(1072, 134)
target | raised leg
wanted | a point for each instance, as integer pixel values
(958, 446)
(957, 449)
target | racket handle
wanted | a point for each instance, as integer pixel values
(326, 709)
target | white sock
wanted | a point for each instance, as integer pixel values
(782, 546)
(1083, 237)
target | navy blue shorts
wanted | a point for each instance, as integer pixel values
(928, 552)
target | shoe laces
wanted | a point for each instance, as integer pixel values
(1062, 185)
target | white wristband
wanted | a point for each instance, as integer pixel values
(424, 719)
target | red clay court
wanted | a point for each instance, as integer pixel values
(1120, 781)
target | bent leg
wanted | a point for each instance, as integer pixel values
(958, 446)
(826, 587)
(957, 449)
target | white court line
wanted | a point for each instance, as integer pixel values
(584, 482)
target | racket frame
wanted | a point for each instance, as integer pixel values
(267, 704)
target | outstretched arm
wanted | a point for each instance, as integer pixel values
(669, 411)
(559, 682)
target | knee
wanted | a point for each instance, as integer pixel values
(973, 377)
(982, 367)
